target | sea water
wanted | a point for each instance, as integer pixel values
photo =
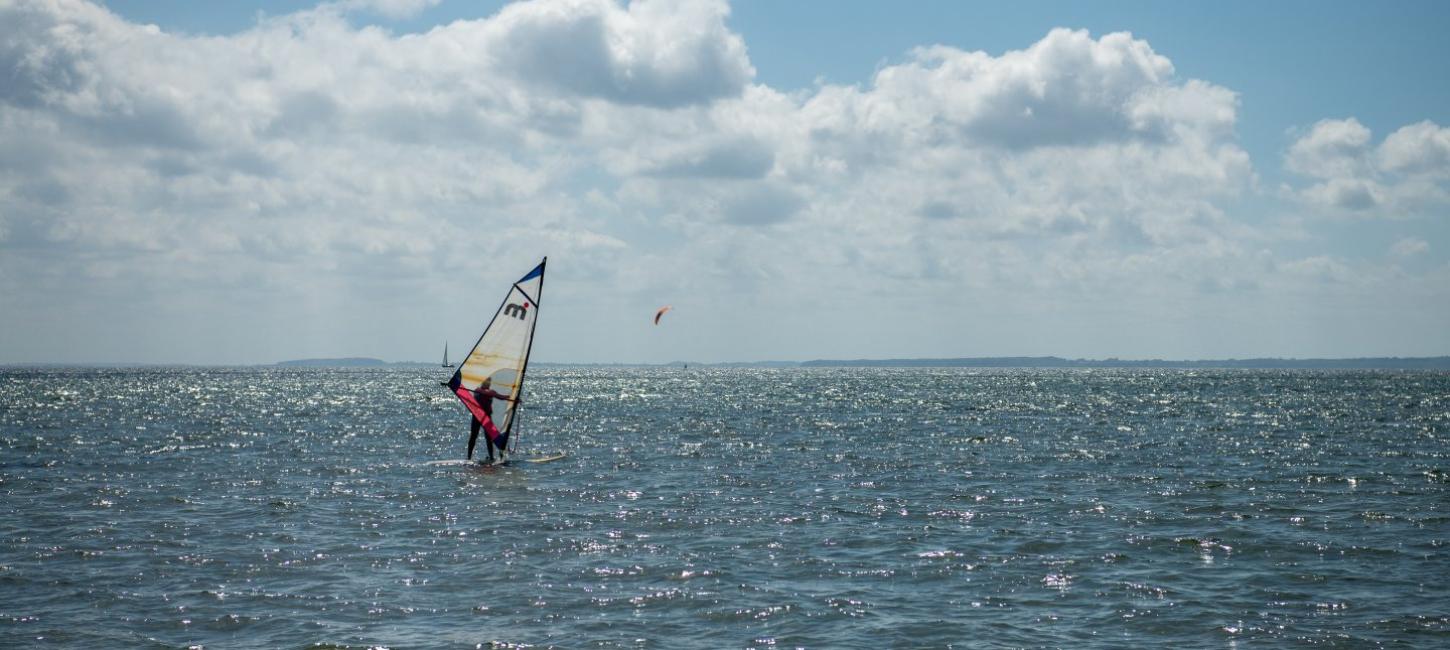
(727, 508)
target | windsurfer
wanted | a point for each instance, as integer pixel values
(485, 396)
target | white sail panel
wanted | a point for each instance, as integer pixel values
(501, 354)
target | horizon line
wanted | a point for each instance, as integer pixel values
(976, 361)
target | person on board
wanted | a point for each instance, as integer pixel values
(485, 396)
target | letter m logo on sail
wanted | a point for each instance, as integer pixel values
(517, 311)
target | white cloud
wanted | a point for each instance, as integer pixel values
(1406, 174)
(1346, 193)
(1410, 247)
(1320, 268)
(705, 157)
(1332, 149)
(1422, 148)
(1077, 148)
(652, 53)
(1067, 89)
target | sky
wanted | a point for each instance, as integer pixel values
(249, 182)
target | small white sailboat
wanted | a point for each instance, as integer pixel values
(445, 356)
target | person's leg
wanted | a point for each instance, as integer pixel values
(493, 438)
(473, 438)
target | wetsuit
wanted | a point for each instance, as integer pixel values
(485, 397)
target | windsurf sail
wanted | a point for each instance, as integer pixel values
(501, 356)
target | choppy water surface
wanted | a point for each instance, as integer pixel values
(727, 508)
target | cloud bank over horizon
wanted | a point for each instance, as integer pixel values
(317, 186)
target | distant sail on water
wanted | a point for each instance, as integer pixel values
(502, 352)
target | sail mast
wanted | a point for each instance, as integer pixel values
(527, 351)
